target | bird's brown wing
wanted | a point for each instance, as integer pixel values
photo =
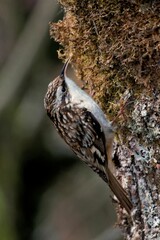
(83, 133)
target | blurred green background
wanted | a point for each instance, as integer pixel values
(46, 193)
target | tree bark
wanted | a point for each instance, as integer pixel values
(115, 49)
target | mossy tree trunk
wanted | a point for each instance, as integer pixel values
(115, 49)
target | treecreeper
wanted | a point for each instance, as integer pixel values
(83, 126)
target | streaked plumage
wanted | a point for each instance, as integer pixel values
(84, 127)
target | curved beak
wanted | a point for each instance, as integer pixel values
(64, 69)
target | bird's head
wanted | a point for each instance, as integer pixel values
(57, 91)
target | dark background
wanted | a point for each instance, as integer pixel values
(46, 193)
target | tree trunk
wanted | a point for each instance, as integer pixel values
(115, 48)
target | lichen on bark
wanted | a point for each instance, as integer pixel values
(115, 49)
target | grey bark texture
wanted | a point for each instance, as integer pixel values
(115, 49)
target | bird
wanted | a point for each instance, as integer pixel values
(82, 124)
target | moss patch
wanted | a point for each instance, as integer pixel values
(115, 45)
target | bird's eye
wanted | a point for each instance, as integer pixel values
(63, 88)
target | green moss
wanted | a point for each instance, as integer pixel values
(114, 46)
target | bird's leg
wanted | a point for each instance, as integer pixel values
(123, 104)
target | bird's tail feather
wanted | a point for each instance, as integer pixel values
(119, 192)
